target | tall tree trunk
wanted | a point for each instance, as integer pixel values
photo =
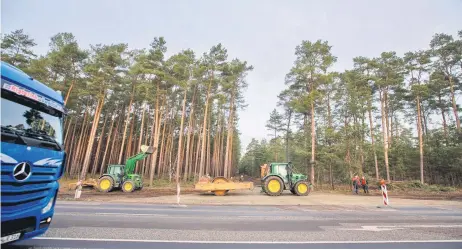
(331, 176)
(114, 147)
(391, 125)
(109, 136)
(165, 163)
(288, 135)
(163, 146)
(81, 155)
(424, 120)
(191, 156)
(419, 131)
(98, 148)
(230, 170)
(67, 142)
(363, 138)
(79, 143)
(445, 125)
(453, 100)
(229, 153)
(91, 138)
(204, 131)
(71, 148)
(313, 143)
(170, 152)
(126, 124)
(387, 123)
(156, 136)
(216, 146)
(143, 107)
(385, 136)
(147, 136)
(188, 140)
(68, 128)
(69, 91)
(128, 151)
(207, 159)
(180, 142)
(222, 147)
(348, 153)
(198, 149)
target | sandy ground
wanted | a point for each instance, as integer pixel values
(254, 197)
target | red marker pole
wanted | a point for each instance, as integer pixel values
(384, 194)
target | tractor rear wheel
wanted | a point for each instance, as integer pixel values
(273, 186)
(302, 188)
(105, 184)
(128, 186)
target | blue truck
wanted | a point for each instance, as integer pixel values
(32, 154)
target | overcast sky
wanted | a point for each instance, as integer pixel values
(262, 32)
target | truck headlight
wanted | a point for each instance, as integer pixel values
(48, 206)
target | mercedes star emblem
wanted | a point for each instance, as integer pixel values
(22, 171)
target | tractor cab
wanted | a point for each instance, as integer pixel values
(280, 177)
(282, 169)
(115, 169)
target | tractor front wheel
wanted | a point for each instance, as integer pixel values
(128, 186)
(302, 188)
(273, 186)
(105, 184)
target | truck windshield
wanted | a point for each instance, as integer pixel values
(29, 121)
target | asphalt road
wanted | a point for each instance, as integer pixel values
(109, 225)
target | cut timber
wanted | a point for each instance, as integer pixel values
(92, 183)
(220, 185)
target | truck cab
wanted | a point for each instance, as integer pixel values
(32, 154)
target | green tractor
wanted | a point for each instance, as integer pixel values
(123, 176)
(280, 177)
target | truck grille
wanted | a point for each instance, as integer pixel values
(17, 196)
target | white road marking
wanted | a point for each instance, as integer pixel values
(248, 242)
(398, 227)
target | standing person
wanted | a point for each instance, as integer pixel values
(263, 170)
(364, 184)
(355, 184)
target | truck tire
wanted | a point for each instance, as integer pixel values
(273, 186)
(302, 188)
(105, 184)
(128, 186)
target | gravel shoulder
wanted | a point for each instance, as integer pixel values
(255, 197)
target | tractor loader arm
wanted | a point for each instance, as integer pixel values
(131, 162)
